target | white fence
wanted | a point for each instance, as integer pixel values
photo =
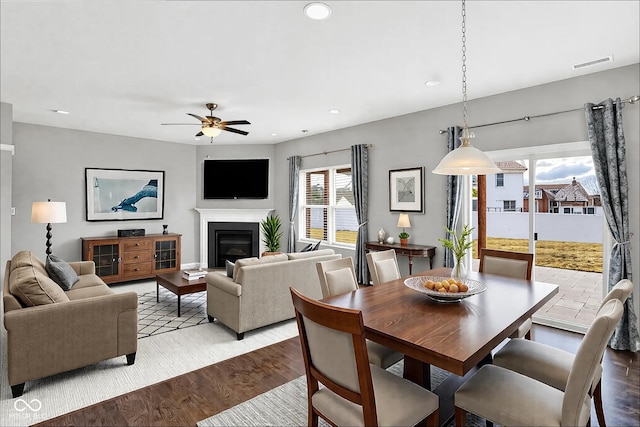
(549, 226)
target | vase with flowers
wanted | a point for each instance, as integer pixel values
(458, 245)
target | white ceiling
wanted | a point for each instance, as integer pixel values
(125, 67)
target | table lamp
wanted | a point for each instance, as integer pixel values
(48, 212)
(403, 221)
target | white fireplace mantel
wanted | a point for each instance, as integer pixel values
(226, 215)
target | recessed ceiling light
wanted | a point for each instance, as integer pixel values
(432, 83)
(60, 111)
(274, 134)
(317, 11)
(334, 111)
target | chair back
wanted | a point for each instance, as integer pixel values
(337, 276)
(576, 404)
(620, 291)
(506, 263)
(383, 266)
(335, 352)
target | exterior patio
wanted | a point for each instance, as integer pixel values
(578, 299)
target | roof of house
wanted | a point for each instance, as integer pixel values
(511, 166)
(573, 192)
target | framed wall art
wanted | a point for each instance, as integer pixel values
(406, 190)
(120, 194)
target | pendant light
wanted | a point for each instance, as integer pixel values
(466, 159)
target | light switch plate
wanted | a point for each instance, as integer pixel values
(13, 210)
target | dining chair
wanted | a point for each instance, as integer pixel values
(510, 264)
(355, 392)
(552, 365)
(506, 397)
(383, 266)
(338, 277)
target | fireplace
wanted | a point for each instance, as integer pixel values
(237, 216)
(232, 241)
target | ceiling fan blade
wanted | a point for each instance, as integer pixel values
(235, 122)
(203, 120)
(241, 132)
(199, 134)
(177, 124)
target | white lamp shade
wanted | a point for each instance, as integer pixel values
(403, 221)
(48, 212)
(211, 131)
(466, 160)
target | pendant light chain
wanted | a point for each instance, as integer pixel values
(464, 64)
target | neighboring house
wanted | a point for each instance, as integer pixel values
(574, 199)
(504, 190)
(544, 195)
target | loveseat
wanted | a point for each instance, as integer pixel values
(258, 293)
(50, 330)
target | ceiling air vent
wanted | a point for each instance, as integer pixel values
(594, 62)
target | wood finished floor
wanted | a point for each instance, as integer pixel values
(189, 398)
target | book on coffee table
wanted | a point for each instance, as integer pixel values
(193, 274)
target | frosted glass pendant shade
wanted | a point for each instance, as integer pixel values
(466, 160)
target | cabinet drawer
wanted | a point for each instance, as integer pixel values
(142, 269)
(134, 257)
(137, 245)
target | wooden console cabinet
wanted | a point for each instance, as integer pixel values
(119, 259)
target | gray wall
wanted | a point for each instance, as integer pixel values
(413, 140)
(50, 163)
(6, 169)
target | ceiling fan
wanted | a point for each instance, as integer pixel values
(213, 126)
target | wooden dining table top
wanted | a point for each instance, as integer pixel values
(454, 336)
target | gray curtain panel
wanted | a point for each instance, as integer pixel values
(360, 175)
(294, 172)
(606, 135)
(453, 193)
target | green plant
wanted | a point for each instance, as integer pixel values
(459, 244)
(403, 235)
(270, 227)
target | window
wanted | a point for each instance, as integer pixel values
(589, 211)
(326, 206)
(499, 180)
(509, 205)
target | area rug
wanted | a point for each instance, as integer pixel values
(287, 406)
(160, 317)
(159, 357)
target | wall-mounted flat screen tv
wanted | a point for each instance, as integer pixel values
(236, 179)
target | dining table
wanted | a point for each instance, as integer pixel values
(457, 335)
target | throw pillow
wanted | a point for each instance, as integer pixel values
(316, 246)
(307, 248)
(32, 287)
(229, 266)
(61, 272)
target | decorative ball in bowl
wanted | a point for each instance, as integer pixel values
(445, 289)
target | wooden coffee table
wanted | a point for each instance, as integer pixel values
(177, 284)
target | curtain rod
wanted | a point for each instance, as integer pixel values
(631, 100)
(328, 152)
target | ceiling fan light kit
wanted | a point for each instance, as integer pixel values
(213, 126)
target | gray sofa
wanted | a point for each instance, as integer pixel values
(258, 294)
(50, 330)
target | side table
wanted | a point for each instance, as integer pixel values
(409, 251)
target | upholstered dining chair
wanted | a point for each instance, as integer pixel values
(355, 392)
(506, 397)
(552, 365)
(510, 264)
(338, 277)
(383, 266)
